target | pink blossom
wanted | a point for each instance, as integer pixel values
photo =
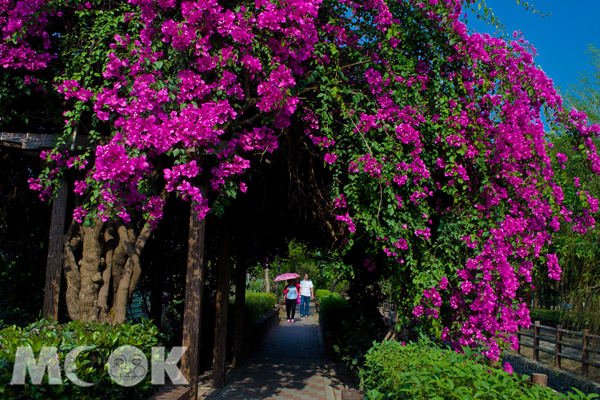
(330, 158)
(418, 311)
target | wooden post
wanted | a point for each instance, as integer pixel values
(55, 252)
(519, 339)
(536, 341)
(192, 313)
(156, 293)
(222, 303)
(278, 273)
(540, 379)
(240, 304)
(267, 281)
(584, 353)
(557, 346)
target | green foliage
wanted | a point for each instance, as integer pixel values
(575, 320)
(301, 260)
(257, 304)
(334, 310)
(580, 254)
(255, 286)
(548, 316)
(90, 364)
(363, 325)
(356, 325)
(424, 371)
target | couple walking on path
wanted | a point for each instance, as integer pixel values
(298, 294)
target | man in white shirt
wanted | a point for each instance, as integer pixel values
(306, 293)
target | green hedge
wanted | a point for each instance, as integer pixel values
(571, 319)
(334, 310)
(321, 292)
(257, 305)
(91, 365)
(424, 371)
(549, 316)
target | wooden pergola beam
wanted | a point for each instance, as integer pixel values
(221, 307)
(194, 283)
(38, 141)
(55, 253)
(240, 300)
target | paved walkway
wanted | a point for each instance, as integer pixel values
(290, 365)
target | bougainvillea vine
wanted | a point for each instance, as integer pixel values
(434, 135)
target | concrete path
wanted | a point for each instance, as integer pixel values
(289, 365)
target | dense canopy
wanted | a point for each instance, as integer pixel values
(434, 136)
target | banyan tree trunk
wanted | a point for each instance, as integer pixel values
(102, 268)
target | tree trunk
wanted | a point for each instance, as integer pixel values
(104, 292)
(192, 314)
(90, 267)
(222, 304)
(548, 297)
(335, 282)
(536, 293)
(102, 281)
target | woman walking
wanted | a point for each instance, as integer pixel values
(291, 293)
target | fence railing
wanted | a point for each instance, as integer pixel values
(555, 336)
(388, 305)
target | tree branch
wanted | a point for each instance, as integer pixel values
(246, 83)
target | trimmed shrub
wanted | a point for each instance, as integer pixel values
(575, 320)
(91, 364)
(424, 371)
(257, 305)
(547, 316)
(321, 292)
(334, 310)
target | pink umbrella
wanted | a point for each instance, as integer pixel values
(285, 277)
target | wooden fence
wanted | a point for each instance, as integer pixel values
(555, 336)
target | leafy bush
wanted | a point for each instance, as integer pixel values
(548, 316)
(358, 332)
(257, 304)
(91, 364)
(424, 371)
(321, 292)
(568, 319)
(334, 310)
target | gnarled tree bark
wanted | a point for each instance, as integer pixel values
(102, 267)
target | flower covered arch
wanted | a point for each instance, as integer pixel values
(433, 134)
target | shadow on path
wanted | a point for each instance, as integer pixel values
(289, 365)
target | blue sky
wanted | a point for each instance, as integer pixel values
(561, 40)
